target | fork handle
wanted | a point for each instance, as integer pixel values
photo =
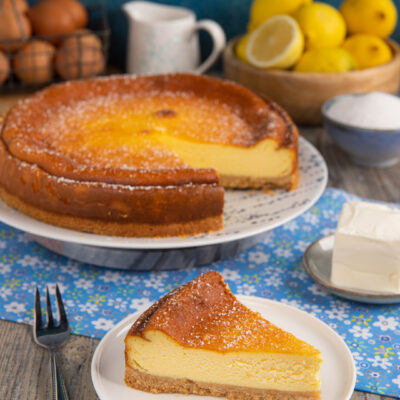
(58, 389)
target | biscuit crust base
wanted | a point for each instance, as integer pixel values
(128, 229)
(287, 182)
(159, 384)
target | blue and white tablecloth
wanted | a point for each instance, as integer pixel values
(97, 298)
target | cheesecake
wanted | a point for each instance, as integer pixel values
(142, 156)
(199, 339)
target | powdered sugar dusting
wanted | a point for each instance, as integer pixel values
(204, 313)
(121, 130)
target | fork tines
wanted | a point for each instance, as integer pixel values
(38, 310)
(62, 316)
(60, 305)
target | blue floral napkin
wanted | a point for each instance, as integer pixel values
(98, 298)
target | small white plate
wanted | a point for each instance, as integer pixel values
(338, 372)
(317, 262)
(247, 213)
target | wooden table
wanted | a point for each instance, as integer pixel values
(24, 366)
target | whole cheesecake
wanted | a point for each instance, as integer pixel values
(142, 156)
(200, 339)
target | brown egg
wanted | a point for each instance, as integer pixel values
(51, 18)
(4, 67)
(76, 10)
(34, 62)
(22, 6)
(14, 27)
(80, 56)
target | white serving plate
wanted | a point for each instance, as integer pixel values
(338, 373)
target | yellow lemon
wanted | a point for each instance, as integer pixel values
(368, 50)
(240, 48)
(277, 43)
(322, 25)
(325, 59)
(377, 17)
(261, 10)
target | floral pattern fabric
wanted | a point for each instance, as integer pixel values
(97, 298)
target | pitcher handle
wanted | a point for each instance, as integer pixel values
(219, 40)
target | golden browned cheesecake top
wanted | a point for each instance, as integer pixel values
(87, 130)
(205, 314)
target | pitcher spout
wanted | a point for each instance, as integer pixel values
(130, 8)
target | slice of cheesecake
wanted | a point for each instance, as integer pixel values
(200, 339)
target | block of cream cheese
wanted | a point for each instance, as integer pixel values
(366, 253)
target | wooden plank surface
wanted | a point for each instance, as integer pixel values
(24, 366)
(25, 371)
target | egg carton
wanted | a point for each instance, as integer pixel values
(39, 60)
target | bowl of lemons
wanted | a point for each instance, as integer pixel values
(300, 53)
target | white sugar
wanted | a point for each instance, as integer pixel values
(373, 110)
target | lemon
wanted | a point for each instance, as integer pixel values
(277, 43)
(325, 59)
(367, 50)
(261, 10)
(322, 25)
(377, 17)
(241, 47)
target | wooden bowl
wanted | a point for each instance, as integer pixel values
(303, 94)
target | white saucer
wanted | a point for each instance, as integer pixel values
(317, 262)
(338, 372)
(247, 213)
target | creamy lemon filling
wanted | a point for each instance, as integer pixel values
(158, 354)
(261, 160)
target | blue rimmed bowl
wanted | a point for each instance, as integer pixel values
(366, 147)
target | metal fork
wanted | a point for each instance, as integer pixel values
(50, 337)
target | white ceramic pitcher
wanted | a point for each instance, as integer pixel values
(164, 39)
